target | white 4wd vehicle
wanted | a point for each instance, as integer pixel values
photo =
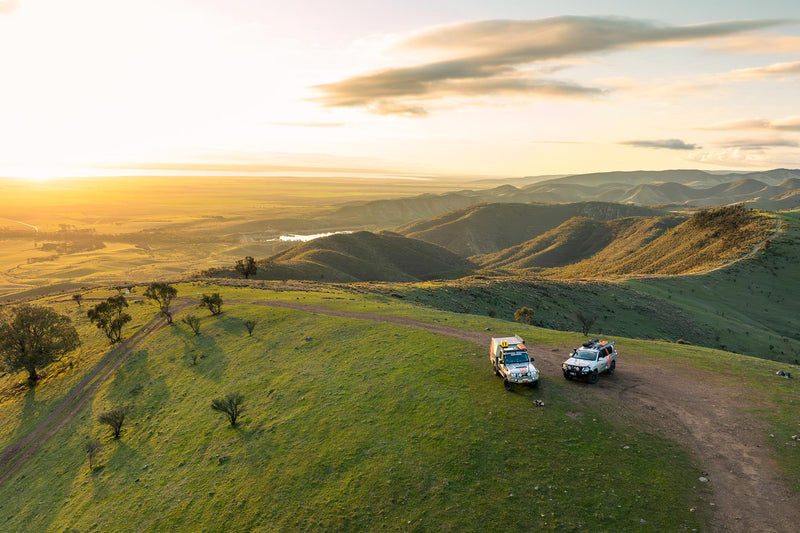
(589, 360)
(510, 360)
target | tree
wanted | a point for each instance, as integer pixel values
(246, 267)
(524, 315)
(231, 405)
(193, 322)
(33, 336)
(113, 419)
(162, 294)
(213, 302)
(92, 448)
(77, 297)
(586, 321)
(250, 325)
(110, 316)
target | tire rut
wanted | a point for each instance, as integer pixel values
(692, 407)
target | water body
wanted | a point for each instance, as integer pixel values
(305, 238)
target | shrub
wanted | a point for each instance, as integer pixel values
(524, 315)
(250, 325)
(193, 322)
(230, 405)
(114, 419)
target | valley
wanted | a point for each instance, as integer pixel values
(366, 382)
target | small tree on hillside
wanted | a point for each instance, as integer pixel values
(213, 302)
(524, 315)
(162, 295)
(33, 336)
(110, 316)
(586, 321)
(231, 405)
(246, 267)
(92, 449)
(77, 297)
(250, 325)
(193, 322)
(113, 419)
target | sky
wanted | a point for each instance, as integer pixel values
(457, 88)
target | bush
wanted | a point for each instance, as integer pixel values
(114, 419)
(230, 405)
(250, 325)
(524, 315)
(193, 322)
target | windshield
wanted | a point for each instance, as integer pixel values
(516, 357)
(585, 355)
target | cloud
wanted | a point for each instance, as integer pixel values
(760, 73)
(485, 58)
(791, 123)
(668, 144)
(747, 157)
(757, 143)
(758, 44)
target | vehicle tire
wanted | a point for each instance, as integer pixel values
(508, 385)
(593, 377)
(612, 367)
(567, 377)
(535, 384)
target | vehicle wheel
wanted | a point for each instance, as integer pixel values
(508, 385)
(612, 367)
(567, 376)
(535, 384)
(593, 377)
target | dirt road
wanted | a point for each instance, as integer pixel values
(693, 407)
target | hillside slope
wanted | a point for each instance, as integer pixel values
(360, 256)
(708, 239)
(489, 228)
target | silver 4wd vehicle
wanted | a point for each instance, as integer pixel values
(589, 360)
(510, 360)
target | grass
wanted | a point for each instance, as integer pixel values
(363, 427)
(23, 407)
(749, 307)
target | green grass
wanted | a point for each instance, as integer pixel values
(22, 407)
(364, 427)
(749, 307)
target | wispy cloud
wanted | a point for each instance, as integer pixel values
(667, 144)
(744, 157)
(756, 143)
(486, 58)
(758, 44)
(760, 73)
(783, 124)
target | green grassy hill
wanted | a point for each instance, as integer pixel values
(360, 256)
(351, 426)
(747, 307)
(489, 228)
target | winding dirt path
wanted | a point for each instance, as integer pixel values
(692, 406)
(696, 408)
(18, 453)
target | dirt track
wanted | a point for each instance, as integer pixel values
(692, 407)
(18, 453)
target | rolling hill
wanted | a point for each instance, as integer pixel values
(489, 228)
(360, 256)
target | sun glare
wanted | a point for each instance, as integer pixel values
(36, 173)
